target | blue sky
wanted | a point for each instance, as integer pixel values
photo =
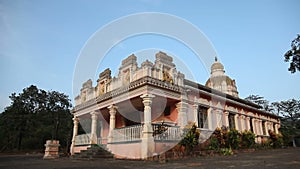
(41, 40)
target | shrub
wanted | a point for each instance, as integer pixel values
(226, 151)
(191, 138)
(219, 139)
(265, 144)
(247, 139)
(276, 140)
(214, 144)
(234, 139)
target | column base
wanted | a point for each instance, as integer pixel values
(147, 146)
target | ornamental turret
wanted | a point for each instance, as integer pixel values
(220, 81)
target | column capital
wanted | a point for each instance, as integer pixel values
(147, 99)
(75, 120)
(219, 111)
(93, 113)
(112, 109)
(147, 96)
(181, 105)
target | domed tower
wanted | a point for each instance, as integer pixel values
(220, 81)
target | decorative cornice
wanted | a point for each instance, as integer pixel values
(147, 80)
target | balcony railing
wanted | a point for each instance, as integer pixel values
(134, 133)
(130, 133)
(167, 133)
(82, 139)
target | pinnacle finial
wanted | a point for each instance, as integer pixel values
(216, 58)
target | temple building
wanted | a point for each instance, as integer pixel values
(123, 113)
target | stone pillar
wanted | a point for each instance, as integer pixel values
(147, 140)
(240, 121)
(248, 123)
(209, 121)
(236, 121)
(219, 117)
(267, 128)
(75, 132)
(112, 122)
(276, 128)
(182, 114)
(243, 122)
(259, 130)
(93, 128)
(272, 126)
(253, 121)
(226, 114)
(260, 127)
(195, 106)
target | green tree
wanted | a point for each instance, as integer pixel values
(261, 101)
(290, 121)
(290, 110)
(293, 55)
(33, 117)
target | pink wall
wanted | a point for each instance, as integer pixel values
(119, 121)
(174, 113)
(77, 149)
(163, 147)
(133, 150)
(126, 150)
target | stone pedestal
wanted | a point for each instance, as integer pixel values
(51, 151)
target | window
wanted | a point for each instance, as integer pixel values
(202, 117)
(231, 121)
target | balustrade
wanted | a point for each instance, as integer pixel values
(166, 133)
(130, 133)
(82, 139)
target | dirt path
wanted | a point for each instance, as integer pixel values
(279, 158)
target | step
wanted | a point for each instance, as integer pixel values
(93, 152)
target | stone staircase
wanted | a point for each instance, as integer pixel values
(95, 151)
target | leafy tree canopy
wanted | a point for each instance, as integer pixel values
(290, 121)
(33, 117)
(261, 101)
(293, 55)
(289, 110)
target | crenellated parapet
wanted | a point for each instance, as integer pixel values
(86, 92)
(103, 82)
(163, 69)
